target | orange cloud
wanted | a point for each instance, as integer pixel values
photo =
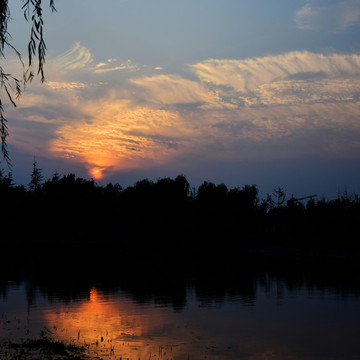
(118, 137)
(236, 109)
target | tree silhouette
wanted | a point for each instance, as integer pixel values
(36, 178)
(211, 200)
(163, 214)
(280, 196)
(6, 181)
(242, 207)
(11, 85)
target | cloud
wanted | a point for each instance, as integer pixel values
(77, 57)
(247, 75)
(105, 67)
(118, 137)
(337, 16)
(173, 89)
(100, 65)
(278, 106)
(65, 85)
(76, 69)
(304, 92)
(305, 17)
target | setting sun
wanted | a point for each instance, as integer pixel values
(127, 137)
(97, 173)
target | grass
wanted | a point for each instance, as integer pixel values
(43, 348)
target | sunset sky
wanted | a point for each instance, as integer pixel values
(235, 91)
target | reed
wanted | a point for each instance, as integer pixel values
(40, 348)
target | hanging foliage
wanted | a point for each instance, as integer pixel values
(11, 85)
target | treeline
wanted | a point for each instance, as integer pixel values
(171, 207)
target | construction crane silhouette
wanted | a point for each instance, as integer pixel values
(310, 197)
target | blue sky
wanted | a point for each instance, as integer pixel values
(241, 92)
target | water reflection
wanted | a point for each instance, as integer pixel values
(246, 314)
(113, 325)
(108, 324)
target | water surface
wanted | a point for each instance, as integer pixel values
(255, 316)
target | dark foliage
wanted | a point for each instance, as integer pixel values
(72, 208)
(13, 86)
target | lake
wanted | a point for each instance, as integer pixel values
(286, 313)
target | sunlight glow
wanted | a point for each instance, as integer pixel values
(97, 173)
(113, 326)
(121, 137)
(107, 327)
(229, 110)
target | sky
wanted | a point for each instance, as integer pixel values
(236, 92)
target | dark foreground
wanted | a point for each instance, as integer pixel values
(43, 348)
(159, 269)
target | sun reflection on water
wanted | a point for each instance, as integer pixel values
(122, 325)
(108, 327)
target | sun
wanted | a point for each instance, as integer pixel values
(97, 172)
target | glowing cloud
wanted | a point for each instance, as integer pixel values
(119, 137)
(229, 110)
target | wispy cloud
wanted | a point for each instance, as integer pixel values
(336, 16)
(173, 89)
(109, 66)
(247, 75)
(76, 58)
